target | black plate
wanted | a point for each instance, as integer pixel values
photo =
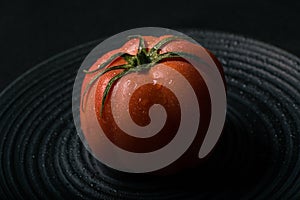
(42, 157)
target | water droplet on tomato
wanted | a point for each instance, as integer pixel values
(156, 75)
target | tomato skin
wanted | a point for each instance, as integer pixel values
(92, 120)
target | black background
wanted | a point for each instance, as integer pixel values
(32, 31)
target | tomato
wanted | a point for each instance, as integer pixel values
(142, 83)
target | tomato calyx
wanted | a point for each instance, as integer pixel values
(143, 60)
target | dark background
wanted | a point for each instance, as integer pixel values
(32, 31)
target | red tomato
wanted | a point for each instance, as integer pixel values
(110, 101)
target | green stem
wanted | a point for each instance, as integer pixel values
(112, 58)
(93, 80)
(109, 85)
(142, 45)
(143, 60)
(160, 44)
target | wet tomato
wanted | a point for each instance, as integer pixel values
(141, 96)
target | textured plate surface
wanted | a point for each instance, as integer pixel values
(41, 156)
